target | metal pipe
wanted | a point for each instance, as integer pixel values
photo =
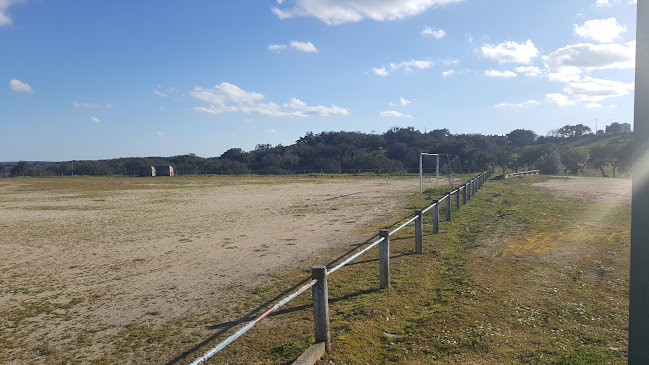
(252, 323)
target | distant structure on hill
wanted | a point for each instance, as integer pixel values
(626, 128)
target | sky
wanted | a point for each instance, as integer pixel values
(104, 79)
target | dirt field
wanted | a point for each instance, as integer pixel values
(603, 190)
(88, 256)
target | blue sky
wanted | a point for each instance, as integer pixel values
(103, 79)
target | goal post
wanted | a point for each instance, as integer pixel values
(450, 167)
(421, 170)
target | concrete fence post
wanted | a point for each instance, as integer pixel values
(321, 306)
(436, 216)
(448, 206)
(419, 231)
(464, 195)
(457, 199)
(384, 259)
(468, 190)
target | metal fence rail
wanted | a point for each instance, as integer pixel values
(320, 295)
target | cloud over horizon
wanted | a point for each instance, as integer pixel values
(229, 98)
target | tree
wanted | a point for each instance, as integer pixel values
(615, 154)
(573, 159)
(503, 158)
(20, 168)
(521, 137)
(549, 163)
(578, 130)
(599, 158)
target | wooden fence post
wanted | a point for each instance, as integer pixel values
(419, 231)
(448, 206)
(384, 259)
(457, 199)
(464, 195)
(436, 216)
(321, 306)
(468, 191)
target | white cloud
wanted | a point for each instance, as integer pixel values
(160, 93)
(306, 47)
(162, 108)
(402, 102)
(447, 74)
(90, 105)
(530, 71)
(633, 2)
(160, 134)
(565, 64)
(334, 12)
(559, 99)
(277, 47)
(394, 113)
(598, 105)
(5, 20)
(229, 98)
(608, 3)
(435, 33)
(601, 30)
(511, 52)
(496, 73)
(380, 71)
(19, 86)
(520, 105)
(272, 131)
(95, 120)
(594, 90)
(409, 65)
(225, 93)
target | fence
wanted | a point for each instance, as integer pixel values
(319, 274)
(514, 174)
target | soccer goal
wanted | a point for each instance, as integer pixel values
(445, 164)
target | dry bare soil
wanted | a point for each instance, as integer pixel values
(83, 259)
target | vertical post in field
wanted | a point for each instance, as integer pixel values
(448, 206)
(457, 199)
(321, 306)
(464, 195)
(419, 231)
(436, 216)
(468, 190)
(421, 173)
(437, 171)
(384, 259)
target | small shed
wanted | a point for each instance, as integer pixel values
(148, 171)
(164, 171)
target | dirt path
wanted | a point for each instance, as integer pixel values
(90, 256)
(600, 189)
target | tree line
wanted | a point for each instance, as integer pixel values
(396, 150)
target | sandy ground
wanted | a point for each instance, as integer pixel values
(94, 255)
(600, 189)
